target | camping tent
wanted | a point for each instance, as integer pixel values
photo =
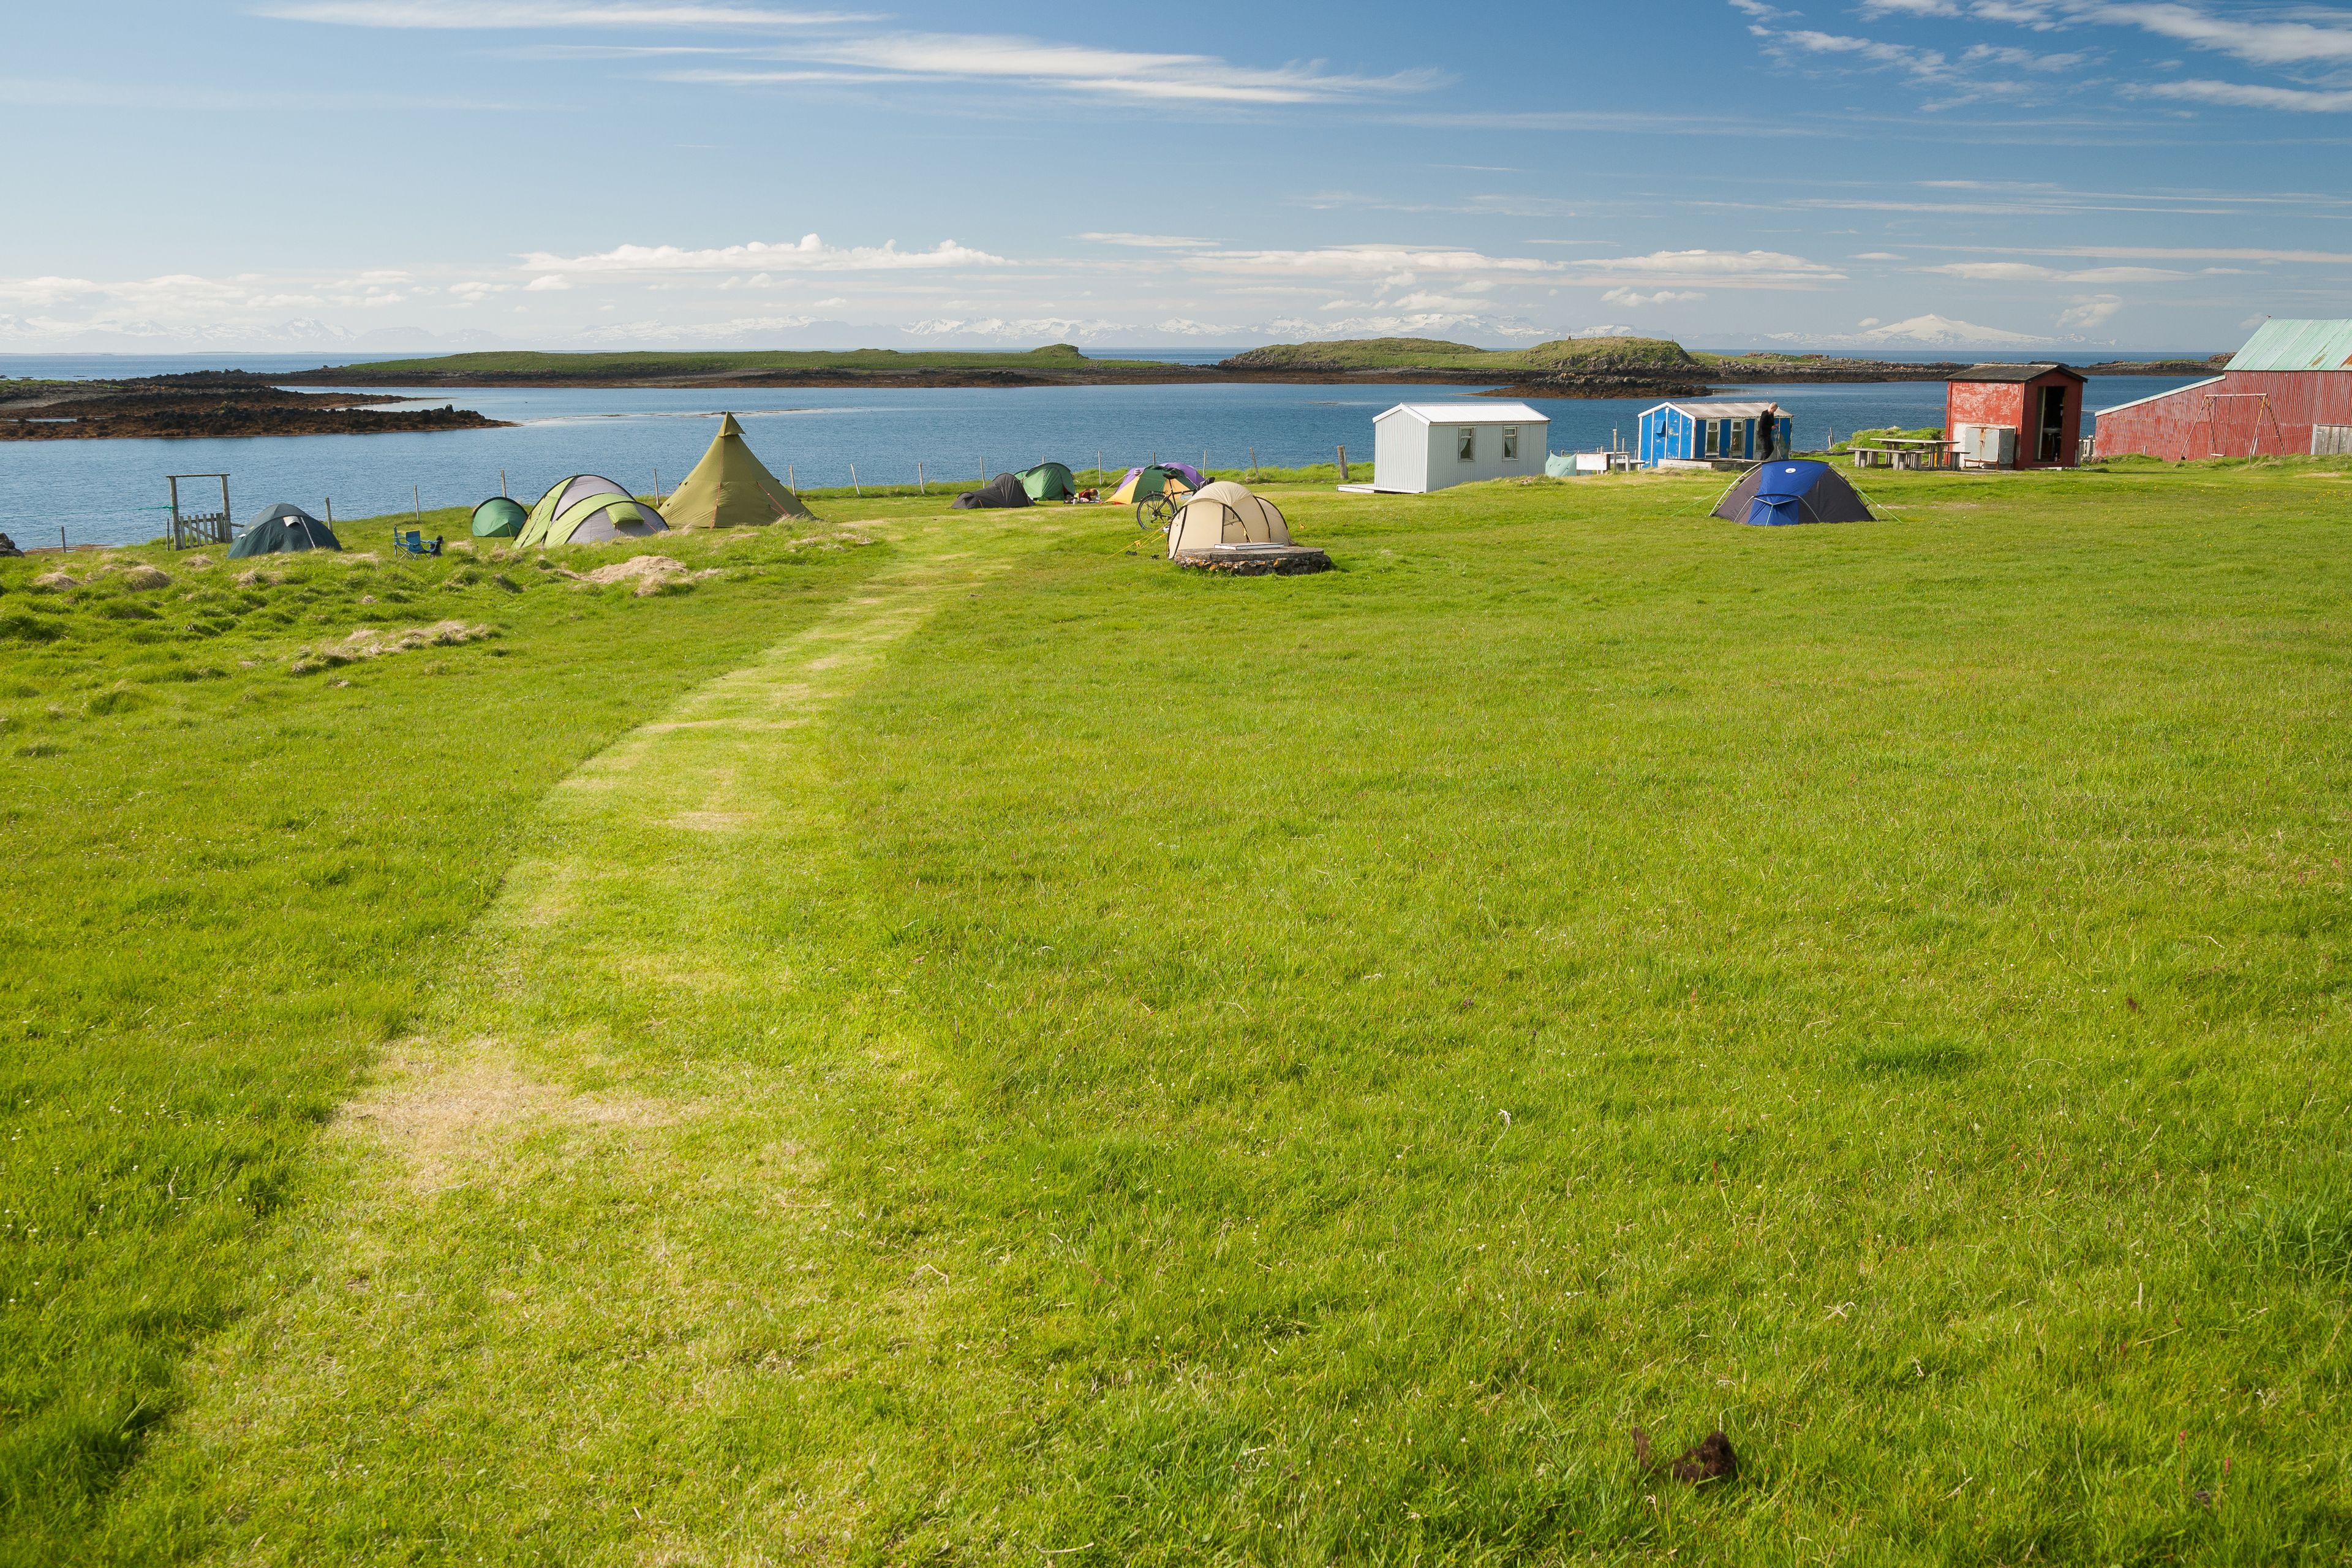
(1802, 490)
(731, 488)
(1049, 482)
(499, 517)
(1004, 489)
(1226, 514)
(283, 528)
(1143, 484)
(586, 509)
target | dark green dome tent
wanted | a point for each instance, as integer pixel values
(281, 529)
(501, 517)
(1049, 482)
(588, 510)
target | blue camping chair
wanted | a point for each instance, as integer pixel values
(415, 543)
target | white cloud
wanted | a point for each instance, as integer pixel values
(1401, 264)
(1880, 255)
(2026, 272)
(1150, 241)
(2090, 312)
(1631, 298)
(487, 14)
(552, 282)
(1716, 268)
(2162, 253)
(1046, 329)
(809, 254)
(2274, 41)
(2240, 95)
(44, 291)
(1120, 72)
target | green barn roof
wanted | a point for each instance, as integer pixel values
(2296, 345)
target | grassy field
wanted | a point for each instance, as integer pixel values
(1029, 1052)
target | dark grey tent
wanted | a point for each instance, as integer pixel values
(1797, 490)
(283, 528)
(1004, 489)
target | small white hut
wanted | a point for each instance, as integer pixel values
(1419, 446)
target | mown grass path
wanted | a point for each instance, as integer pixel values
(536, 1239)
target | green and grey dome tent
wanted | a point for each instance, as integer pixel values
(282, 528)
(588, 510)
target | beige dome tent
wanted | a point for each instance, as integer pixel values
(1222, 528)
(1226, 513)
(731, 488)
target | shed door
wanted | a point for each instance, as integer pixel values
(2049, 446)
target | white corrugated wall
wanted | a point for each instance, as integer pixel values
(1447, 466)
(1399, 456)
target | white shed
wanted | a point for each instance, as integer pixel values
(1419, 446)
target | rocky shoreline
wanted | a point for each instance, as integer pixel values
(205, 404)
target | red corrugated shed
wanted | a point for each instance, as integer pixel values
(2238, 414)
(2043, 403)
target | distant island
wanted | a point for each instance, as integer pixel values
(1570, 367)
(211, 403)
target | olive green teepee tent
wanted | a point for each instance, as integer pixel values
(731, 488)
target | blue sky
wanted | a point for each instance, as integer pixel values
(292, 173)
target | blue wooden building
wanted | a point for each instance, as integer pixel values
(1704, 432)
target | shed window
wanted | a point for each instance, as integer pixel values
(1510, 444)
(1714, 437)
(1465, 443)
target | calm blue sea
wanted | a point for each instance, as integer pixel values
(113, 492)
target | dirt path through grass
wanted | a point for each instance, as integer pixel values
(545, 1204)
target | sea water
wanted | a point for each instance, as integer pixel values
(113, 492)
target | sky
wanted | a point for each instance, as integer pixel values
(189, 174)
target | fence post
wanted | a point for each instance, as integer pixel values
(918, 478)
(853, 481)
(1343, 465)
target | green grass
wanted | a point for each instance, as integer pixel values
(228, 884)
(1069, 1054)
(663, 363)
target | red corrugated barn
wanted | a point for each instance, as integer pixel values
(2041, 403)
(2288, 390)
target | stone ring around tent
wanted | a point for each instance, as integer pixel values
(501, 517)
(1221, 527)
(587, 509)
(731, 488)
(1788, 490)
(282, 528)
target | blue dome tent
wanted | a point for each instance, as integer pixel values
(1796, 491)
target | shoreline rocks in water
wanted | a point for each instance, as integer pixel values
(208, 404)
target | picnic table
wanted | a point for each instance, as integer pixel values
(1907, 452)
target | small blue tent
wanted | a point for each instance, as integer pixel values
(1798, 492)
(1706, 432)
